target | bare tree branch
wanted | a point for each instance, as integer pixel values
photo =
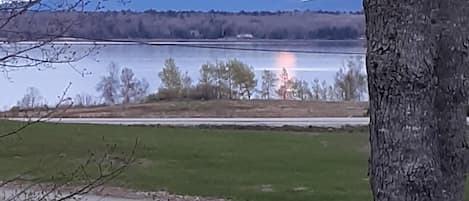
(25, 49)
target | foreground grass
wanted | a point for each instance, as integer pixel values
(241, 165)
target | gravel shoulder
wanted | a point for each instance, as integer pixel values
(18, 192)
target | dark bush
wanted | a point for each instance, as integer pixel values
(203, 93)
(195, 93)
(165, 95)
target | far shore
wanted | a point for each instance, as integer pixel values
(231, 41)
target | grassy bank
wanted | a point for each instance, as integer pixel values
(217, 109)
(242, 165)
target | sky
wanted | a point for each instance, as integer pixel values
(237, 5)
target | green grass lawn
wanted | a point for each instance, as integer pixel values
(242, 165)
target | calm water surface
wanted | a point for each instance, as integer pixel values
(147, 61)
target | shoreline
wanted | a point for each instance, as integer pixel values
(78, 41)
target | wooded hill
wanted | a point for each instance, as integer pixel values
(187, 25)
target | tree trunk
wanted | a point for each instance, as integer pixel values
(416, 60)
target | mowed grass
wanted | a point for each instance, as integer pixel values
(240, 165)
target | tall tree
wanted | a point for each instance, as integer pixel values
(83, 100)
(316, 90)
(332, 94)
(31, 99)
(417, 58)
(132, 90)
(284, 89)
(207, 82)
(206, 77)
(243, 78)
(324, 91)
(141, 90)
(269, 80)
(109, 85)
(223, 89)
(128, 86)
(186, 84)
(171, 80)
(171, 76)
(228, 76)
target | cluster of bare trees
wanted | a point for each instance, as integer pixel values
(349, 85)
(350, 82)
(117, 87)
(192, 25)
(31, 99)
(121, 86)
(84, 100)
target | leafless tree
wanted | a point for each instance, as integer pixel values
(324, 91)
(284, 90)
(109, 85)
(316, 90)
(142, 87)
(84, 100)
(269, 81)
(300, 90)
(32, 99)
(128, 86)
(132, 89)
(186, 85)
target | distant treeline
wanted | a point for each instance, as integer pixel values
(189, 25)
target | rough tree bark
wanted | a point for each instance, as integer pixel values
(416, 62)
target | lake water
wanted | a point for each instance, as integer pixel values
(304, 60)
